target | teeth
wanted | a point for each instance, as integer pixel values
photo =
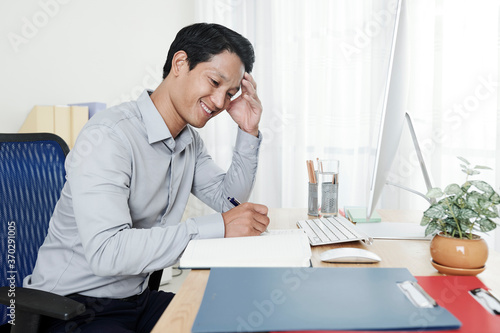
(207, 110)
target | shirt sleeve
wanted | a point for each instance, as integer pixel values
(213, 186)
(209, 226)
(99, 186)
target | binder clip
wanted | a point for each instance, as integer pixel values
(487, 300)
(416, 294)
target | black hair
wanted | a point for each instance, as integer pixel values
(202, 41)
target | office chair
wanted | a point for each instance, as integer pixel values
(32, 176)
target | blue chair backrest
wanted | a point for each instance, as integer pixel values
(32, 176)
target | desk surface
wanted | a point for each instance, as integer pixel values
(412, 254)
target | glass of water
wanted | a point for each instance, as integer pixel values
(328, 176)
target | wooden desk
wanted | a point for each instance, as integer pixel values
(414, 255)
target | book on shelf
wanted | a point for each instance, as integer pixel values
(94, 107)
(62, 120)
(62, 123)
(79, 117)
(278, 248)
(40, 119)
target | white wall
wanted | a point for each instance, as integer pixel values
(71, 51)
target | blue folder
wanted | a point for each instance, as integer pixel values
(277, 299)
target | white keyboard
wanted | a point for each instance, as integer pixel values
(332, 230)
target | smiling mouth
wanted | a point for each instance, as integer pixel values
(204, 107)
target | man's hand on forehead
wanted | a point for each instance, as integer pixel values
(246, 109)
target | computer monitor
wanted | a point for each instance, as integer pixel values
(393, 109)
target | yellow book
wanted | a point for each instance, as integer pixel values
(79, 117)
(62, 122)
(40, 119)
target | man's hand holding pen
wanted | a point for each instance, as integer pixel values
(247, 219)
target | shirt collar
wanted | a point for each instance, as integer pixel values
(156, 128)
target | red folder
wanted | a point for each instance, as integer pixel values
(452, 293)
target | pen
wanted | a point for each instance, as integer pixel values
(234, 201)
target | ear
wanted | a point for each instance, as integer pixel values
(179, 60)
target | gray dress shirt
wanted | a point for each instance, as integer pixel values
(119, 215)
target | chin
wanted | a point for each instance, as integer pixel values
(199, 123)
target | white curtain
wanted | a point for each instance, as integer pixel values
(320, 68)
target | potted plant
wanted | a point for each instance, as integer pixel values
(454, 215)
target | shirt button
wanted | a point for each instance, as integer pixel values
(252, 146)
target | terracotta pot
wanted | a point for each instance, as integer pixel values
(459, 253)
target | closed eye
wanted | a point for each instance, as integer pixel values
(214, 83)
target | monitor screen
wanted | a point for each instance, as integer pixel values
(394, 108)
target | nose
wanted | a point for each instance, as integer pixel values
(219, 99)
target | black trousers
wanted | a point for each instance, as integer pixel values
(134, 314)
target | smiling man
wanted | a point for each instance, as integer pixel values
(129, 177)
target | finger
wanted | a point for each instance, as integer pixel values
(254, 102)
(261, 209)
(234, 102)
(260, 228)
(250, 78)
(261, 225)
(250, 94)
(248, 87)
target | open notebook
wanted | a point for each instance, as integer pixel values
(276, 248)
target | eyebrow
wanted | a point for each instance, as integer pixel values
(222, 76)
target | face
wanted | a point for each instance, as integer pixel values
(206, 90)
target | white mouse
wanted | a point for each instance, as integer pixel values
(349, 255)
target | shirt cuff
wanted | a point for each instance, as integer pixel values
(247, 143)
(209, 226)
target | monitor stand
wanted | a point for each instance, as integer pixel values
(402, 230)
(421, 162)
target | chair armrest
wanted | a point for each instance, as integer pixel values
(42, 303)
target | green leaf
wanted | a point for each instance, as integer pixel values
(425, 220)
(455, 210)
(463, 160)
(490, 213)
(484, 202)
(482, 167)
(450, 226)
(483, 186)
(453, 189)
(467, 213)
(435, 211)
(472, 198)
(495, 198)
(431, 228)
(486, 225)
(460, 202)
(465, 224)
(434, 193)
(452, 231)
(495, 209)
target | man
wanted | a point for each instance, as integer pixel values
(129, 177)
